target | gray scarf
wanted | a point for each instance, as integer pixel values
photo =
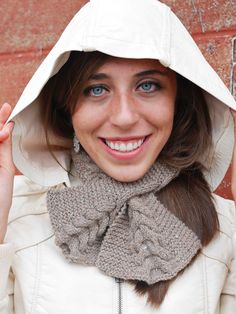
(121, 228)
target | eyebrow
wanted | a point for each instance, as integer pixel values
(151, 72)
(103, 76)
(98, 76)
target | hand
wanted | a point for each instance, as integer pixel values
(233, 182)
(7, 169)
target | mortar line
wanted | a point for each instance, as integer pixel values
(230, 32)
(24, 53)
(199, 13)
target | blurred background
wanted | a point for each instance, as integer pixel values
(29, 29)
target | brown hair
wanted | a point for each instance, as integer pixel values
(188, 196)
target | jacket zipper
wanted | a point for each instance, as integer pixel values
(119, 281)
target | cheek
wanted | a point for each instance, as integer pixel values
(86, 119)
(161, 116)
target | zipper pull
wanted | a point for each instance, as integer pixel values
(119, 280)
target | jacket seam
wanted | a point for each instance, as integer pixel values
(215, 259)
(226, 217)
(113, 302)
(224, 233)
(32, 193)
(26, 215)
(35, 244)
(36, 283)
(206, 309)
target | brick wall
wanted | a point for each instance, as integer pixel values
(29, 28)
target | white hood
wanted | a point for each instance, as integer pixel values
(128, 29)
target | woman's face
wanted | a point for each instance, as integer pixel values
(124, 116)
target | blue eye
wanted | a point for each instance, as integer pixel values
(96, 90)
(148, 86)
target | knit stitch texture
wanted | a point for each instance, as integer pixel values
(122, 228)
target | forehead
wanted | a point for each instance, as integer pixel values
(133, 65)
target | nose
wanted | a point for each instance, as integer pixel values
(124, 113)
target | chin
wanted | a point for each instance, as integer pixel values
(126, 175)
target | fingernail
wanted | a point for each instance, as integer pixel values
(12, 124)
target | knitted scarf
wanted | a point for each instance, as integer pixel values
(121, 228)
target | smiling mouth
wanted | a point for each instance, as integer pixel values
(125, 146)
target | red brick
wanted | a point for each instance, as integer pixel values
(217, 49)
(15, 72)
(217, 15)
(186, 12)
(201, 16)
(33, 24)
(224, 189)
(233, 81)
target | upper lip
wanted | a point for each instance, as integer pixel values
(123, 139)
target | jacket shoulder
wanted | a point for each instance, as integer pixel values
(226, 211)
(28, 222)
(221, 246)
(28, 198)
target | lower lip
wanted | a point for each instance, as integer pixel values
(125, 155)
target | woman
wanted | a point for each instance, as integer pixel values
(126, 218)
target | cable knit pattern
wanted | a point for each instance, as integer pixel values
(122, 228)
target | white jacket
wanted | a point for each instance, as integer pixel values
(37, 279)
(40, 280)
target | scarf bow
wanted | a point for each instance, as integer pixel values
(121, 228)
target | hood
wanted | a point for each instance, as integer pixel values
(118, 28)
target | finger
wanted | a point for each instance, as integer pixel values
(5, 112)
(6, 131)
(6, 163)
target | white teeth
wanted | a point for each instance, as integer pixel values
(135, 145)
(112, 145)
(123, 147)
(129, 147)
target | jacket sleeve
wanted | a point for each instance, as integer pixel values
(228, 297)
(6, 279)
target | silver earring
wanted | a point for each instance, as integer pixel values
(76, 144)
